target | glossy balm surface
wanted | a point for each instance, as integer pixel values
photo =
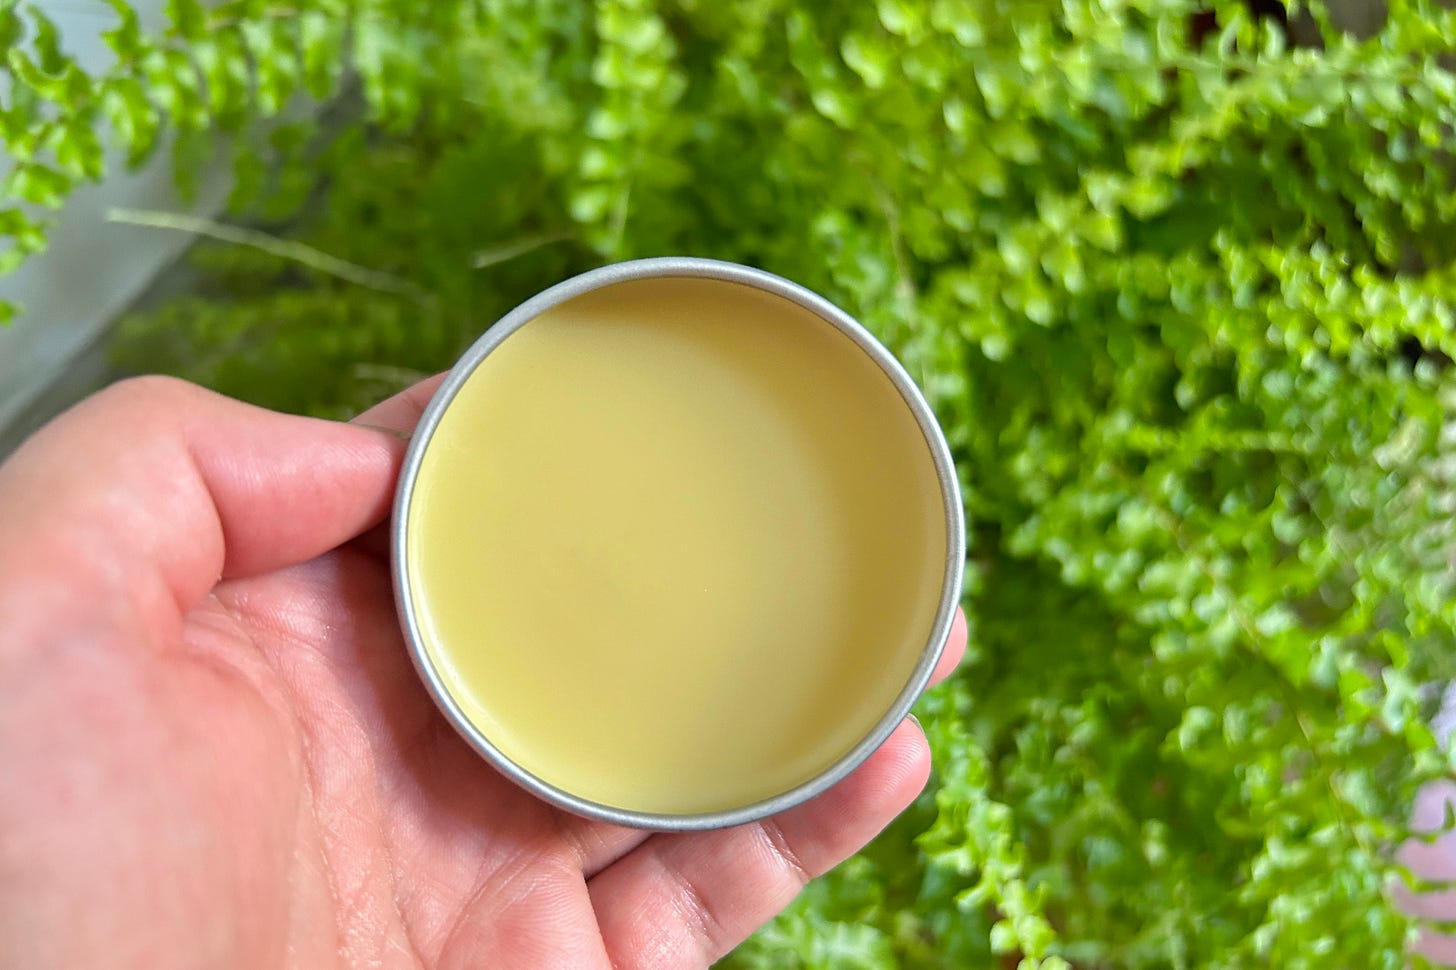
(676, 546)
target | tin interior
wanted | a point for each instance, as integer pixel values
(906, 678)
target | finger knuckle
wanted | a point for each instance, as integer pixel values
(151, 390)
(788, 859)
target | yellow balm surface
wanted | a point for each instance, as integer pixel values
(676, 545)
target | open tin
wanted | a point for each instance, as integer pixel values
(677, 544)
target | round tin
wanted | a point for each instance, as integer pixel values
(681, 267)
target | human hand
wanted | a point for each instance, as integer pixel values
(214, 750)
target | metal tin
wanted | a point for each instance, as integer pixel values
(668, 267)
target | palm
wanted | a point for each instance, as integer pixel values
(399, 838)
(251, 775)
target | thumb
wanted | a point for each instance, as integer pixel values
(142, 497)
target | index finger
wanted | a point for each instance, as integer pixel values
(401, 412)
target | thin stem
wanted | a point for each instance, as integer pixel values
(495, 255)
(288, 249)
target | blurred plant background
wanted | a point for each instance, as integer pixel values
(1177, 276)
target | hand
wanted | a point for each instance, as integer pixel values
(214, 750)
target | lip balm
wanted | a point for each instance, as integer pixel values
(677, 544)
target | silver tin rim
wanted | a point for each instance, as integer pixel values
(681, 266)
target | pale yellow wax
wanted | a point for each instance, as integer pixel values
(676, 546)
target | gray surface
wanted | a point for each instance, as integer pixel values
(93, 270)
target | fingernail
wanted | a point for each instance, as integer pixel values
(912, 717)
(389, 431)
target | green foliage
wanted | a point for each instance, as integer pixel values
(1184, 301)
